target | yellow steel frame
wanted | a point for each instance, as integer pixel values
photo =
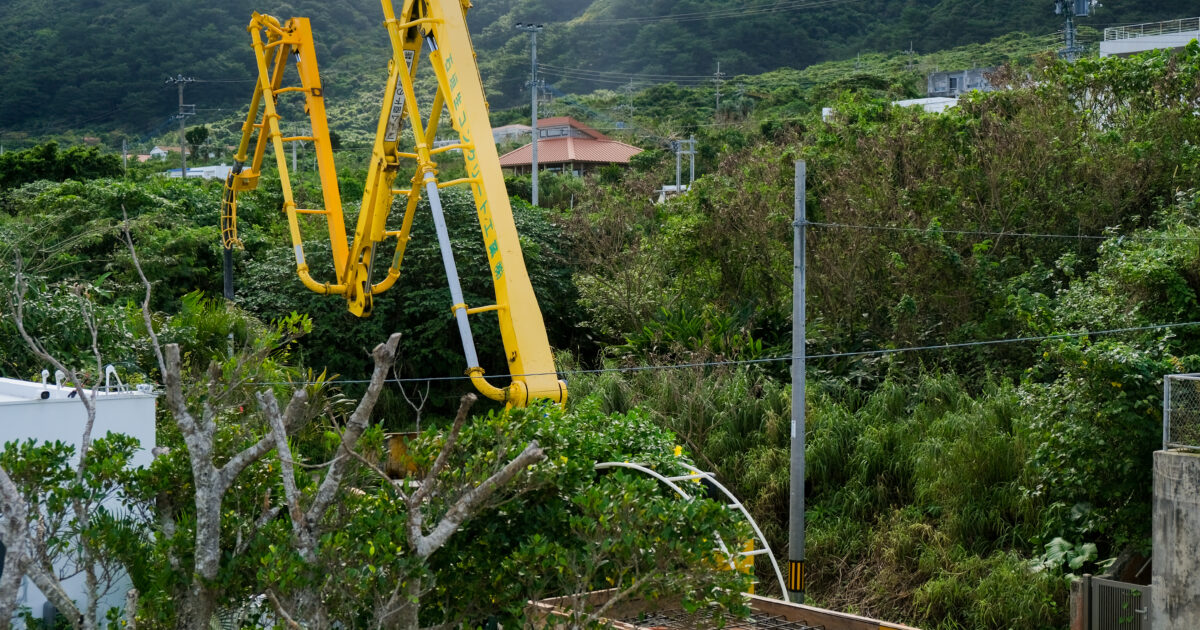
(436, 30)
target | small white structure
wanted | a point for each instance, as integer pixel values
(670, 191)
(1123, 41)
(933, 105)
(202, 172)
(161, 153)
(50, 411)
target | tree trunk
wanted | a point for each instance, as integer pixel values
(15, 561)
(199, 605)
(403, 612)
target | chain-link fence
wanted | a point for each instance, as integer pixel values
(1181, 411)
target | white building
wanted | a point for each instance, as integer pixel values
(48, 412)
(1123, 41)
(202, 172)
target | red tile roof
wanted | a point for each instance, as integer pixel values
(565, 150)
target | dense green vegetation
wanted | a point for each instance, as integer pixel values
(101, 65)
(950, 488)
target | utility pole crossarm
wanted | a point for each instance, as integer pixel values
(184, 111)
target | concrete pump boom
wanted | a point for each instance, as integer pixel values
(433, 32)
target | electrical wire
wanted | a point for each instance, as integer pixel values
(625, 74)
(736, 12)
(780, 359)
(1097, 237)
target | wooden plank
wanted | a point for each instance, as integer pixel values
(540, 611)
(814, 616)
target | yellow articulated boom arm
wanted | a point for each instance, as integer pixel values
(424, 32)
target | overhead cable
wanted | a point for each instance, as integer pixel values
(780, 359)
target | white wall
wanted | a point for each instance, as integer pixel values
(25, 415)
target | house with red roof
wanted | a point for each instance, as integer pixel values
(566, 145)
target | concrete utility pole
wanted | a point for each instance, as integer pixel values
(533, 30)
(795, 576)
(691, 152)
(184, 112)
(718, 78)
(678, 147)
(125, 157)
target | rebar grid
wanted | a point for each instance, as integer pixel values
(682, 620)
(1181, 412)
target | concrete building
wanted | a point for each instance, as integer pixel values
(958, 82)
(48, 412)
(511, 133)
(1123, 41)
(566, 145)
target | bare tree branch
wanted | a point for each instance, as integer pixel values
(470, 502)
(385, 356)
(162, 366)
(287, 619)
(430, 481)
(614, 600)
(287, 472)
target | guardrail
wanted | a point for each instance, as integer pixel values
(1150, 29)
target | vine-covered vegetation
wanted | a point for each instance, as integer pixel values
(949, 488)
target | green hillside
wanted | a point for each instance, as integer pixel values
(101, 65)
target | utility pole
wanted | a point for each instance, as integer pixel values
(718, 78)
(691, 152)
(533, 30)
(124, 157)
(678, 147)
(630, 101)
(184, 112)
(795, 575)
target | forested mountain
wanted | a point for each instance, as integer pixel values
(101, 64)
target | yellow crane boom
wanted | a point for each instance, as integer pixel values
(423, 32)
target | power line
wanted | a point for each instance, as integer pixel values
(831, 355)
(624, 75)
(778, 7)
(1098, 237)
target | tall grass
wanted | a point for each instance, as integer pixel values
(915, 504)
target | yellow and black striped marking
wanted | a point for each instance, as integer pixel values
(795, 580)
